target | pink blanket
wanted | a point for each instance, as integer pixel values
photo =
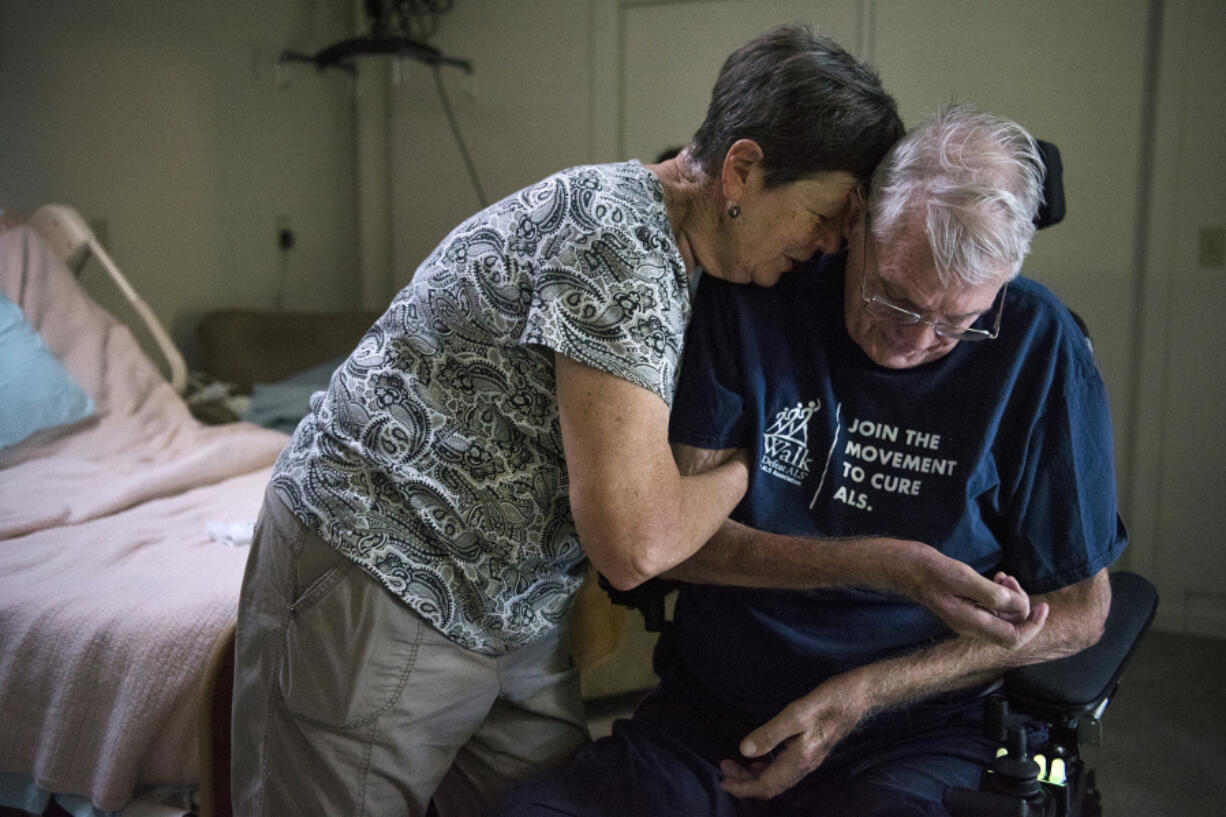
(111, 591)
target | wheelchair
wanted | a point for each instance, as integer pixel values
(1066, 698)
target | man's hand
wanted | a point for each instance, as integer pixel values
(996, 611)
(807, 729)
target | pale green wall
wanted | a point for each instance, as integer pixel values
(165, 121)
(524, 113)
(1180, 473)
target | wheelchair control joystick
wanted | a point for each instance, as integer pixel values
(1011, 786)
(1015, 773)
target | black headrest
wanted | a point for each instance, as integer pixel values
(1051, 211)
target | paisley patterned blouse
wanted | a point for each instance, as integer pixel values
(434, 459)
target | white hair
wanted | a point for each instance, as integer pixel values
(977, 179)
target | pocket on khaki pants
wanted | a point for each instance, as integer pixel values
(350, 645)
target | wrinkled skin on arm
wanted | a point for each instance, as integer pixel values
(995, 610)
(636, 514)
(809, 728)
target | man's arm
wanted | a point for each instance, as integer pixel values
(811, 726)
(636, 514)
(967, 602)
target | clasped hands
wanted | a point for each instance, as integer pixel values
(805, 732)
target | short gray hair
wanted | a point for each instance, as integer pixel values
(810, 105)
(977, 178)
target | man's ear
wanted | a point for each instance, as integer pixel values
(741, 161)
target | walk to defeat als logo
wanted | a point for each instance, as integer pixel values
(869, 461)
(785, 445)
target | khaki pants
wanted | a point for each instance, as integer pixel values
(347, 702)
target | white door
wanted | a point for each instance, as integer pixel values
(1180, 490)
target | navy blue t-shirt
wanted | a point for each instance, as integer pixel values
(999, 454)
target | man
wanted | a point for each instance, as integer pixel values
(912, 386)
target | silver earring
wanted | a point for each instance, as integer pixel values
(734, 210)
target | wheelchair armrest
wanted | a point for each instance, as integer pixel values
(1077, 683)
(648, 598)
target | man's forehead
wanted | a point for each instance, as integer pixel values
(913, 277)
(905, 260)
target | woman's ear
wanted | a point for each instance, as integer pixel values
(742, 163)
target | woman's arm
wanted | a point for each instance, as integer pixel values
(967, 602)
(637, 516)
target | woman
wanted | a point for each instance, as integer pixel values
(400, 622)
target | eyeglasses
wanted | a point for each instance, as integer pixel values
(883, 307)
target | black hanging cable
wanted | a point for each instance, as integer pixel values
(397, 27)
(400, 28)
(459, 138)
